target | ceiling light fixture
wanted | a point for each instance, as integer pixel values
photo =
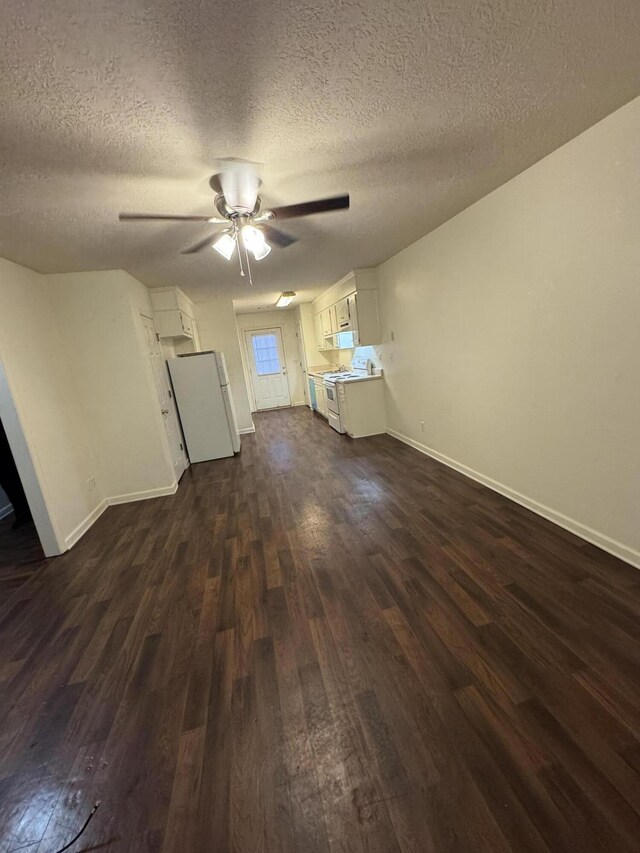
(287, 297)
(225, 245)
(244, 222)
(254, 241)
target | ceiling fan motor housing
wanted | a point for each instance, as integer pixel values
(229, 212)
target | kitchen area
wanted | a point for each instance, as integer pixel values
(323, 355)
(340, 326)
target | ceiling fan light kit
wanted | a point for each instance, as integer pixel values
(255, 242)
(225, 245)
(238, 203)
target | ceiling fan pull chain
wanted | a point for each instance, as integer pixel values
(246, 254)
(239, 254)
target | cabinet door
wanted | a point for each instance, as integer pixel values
(342, 315)
(327, 325)
(322, 408)
(353, 312)
(342, 405)
(173, 324)
(319, 331)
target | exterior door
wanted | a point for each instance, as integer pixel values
(165, 397)
(267, 368)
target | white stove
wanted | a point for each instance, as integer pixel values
(360, 370)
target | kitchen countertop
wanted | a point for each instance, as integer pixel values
(348, 381)
(325, 368)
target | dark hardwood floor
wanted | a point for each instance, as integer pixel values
(20, 555)
(324, 644)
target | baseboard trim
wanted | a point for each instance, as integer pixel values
(5, 511)
(247, 430)
(130, 497)
(601, 540)
(88, 522)
(95, 514)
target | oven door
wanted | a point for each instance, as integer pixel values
(332, 397)
(335, 422)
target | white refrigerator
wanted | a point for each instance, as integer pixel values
(205, 406)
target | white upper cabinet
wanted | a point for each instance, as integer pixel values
(343, 320)
(320, 341)
(347, 314)
(364, 312)
(351, 305)
(174, 314)
(328, 321)
(174, 324)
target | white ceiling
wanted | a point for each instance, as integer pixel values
(416, 108)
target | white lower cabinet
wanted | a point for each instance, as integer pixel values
(362, 408)
(321, 397)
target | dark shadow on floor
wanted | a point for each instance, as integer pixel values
(20, 555)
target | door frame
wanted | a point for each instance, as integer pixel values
(302, 357)
(247, 356)
(173, 413)
(28, 467)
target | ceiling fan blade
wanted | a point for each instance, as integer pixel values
(277, 237)
(306, 208)
(127, 217)
(240, 184)
(206, 241)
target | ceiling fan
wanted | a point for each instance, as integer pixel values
(246, 225)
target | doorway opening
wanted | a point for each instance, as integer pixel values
(20, 547)
(267, 368)
(27, 533)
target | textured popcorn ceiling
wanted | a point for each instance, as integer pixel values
(416, 108)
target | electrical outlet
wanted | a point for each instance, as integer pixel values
(91, 482)
(421, 426)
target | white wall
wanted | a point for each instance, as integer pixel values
(46, 402)
(217, 330)
(98, 316)
(517, 336)
(285, 320)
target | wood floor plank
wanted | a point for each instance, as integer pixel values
(321, 645)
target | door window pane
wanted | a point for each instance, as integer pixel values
(265, 354)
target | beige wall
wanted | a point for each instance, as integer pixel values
(71, 350)
(285, 320)
(517, 336)
(98, 317)
(46, 400)
(216, 321)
